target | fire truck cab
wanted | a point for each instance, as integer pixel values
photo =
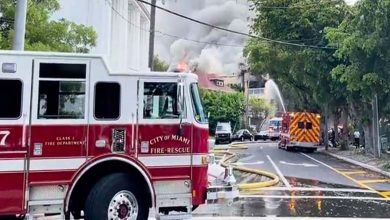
(76, 139)
(300, 130)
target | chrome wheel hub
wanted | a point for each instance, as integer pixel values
(123, 206)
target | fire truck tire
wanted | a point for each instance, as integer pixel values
(116, 195)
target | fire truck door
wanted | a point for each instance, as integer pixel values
(59, 115)
(14, 121)
(164, 131)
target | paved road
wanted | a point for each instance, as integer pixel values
(312, 185)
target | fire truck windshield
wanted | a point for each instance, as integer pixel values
(197, 104)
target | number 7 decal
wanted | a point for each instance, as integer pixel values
(5, 135)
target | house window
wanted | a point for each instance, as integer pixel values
(219, 83)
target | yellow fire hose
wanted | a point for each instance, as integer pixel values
(249, 186)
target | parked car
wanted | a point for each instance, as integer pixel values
(262, 135)
(223, 133)
(243, 135)
(275, 125)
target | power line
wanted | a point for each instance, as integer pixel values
(233, 31)
(170, 35)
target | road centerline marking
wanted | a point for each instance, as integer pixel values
(284, 180)
(346, 176)
(387, 193)
(354, 172)
(374, 181)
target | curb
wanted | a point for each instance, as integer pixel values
(368, 167)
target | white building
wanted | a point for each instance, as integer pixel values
(122, 29)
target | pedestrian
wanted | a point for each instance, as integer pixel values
(356, 136)
(332, 137)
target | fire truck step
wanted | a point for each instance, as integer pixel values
(175, 217)
(41, 207)
(166, 201)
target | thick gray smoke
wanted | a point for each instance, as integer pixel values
(231, 14)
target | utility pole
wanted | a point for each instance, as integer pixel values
(375, 127)
(326, 136)
(20, 25)
(151, 35)
(245, 85)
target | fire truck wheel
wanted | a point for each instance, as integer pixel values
(116, 196)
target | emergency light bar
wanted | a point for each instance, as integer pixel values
(8, 67)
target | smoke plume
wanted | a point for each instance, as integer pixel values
(224, 50)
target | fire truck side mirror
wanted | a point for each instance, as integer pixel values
(180, 98)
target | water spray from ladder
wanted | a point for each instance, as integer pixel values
(272, 92)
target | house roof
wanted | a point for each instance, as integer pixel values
(207, 81)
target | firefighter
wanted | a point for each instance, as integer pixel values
(332, 137)
(356, 136)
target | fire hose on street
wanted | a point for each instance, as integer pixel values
(222, 183)
(274, 179)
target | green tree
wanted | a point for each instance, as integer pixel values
(42, 33)
(260, 108)
(159, 65)
(223, 107)
(362, 42)
(303, 73)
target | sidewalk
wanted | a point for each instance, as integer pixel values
(365, 160)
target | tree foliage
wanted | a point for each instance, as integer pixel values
(363, 44)
(223, 107)
(159, 65)
(342, 76)
(260, 108)
(301, 72)
(42, 33)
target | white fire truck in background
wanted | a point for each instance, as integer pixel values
(78, 140)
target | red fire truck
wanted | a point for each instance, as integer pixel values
(76, 139)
